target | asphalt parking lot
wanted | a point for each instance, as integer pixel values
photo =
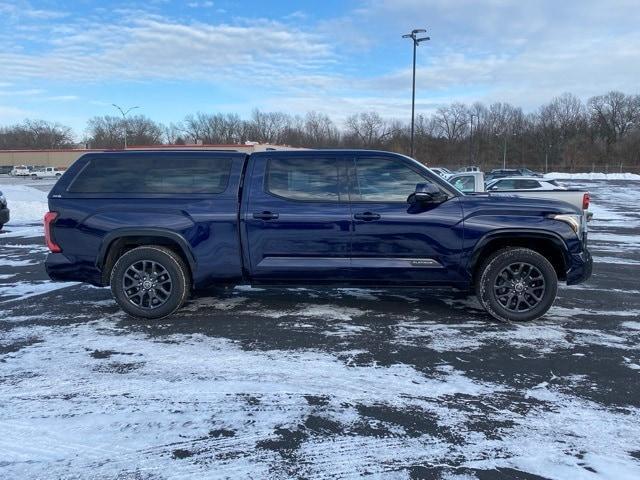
(313, 383)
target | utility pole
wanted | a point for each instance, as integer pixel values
(124, 118)
(416, 41)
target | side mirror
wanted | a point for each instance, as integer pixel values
(427, 193)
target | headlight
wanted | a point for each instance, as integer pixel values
(574, 221)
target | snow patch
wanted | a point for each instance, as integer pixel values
(27, 204)
(591, 176)
(24, 290)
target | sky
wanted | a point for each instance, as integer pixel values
(68, 61)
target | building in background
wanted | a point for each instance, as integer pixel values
(64, 158)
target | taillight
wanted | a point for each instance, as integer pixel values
(585, 201)
(49, 218)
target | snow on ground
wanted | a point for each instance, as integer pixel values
(260, 383)
(591, 176)
(27, 204)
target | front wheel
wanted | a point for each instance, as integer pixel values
(150, 282)
(516, 284)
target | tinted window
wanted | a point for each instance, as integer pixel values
(465, 184)
(527, 184)
(136, 174)
(384, 180)
(505, 185)
(304, 178)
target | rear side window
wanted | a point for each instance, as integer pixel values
(505, 185)
(140, 175)
(304, 178)
(527, 184)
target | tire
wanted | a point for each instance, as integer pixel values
(147, 299)
(516, 284)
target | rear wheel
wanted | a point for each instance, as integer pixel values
(150, 282)
(517, 284)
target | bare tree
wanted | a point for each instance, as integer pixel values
(563, 134)
(320, 131)
(36, 134)
(109, 131)
(368, 129)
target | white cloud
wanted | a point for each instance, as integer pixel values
(523, 52)
(151, 47)
(10, 114)
(200, 4)
(22, 9)
(21, 93)
(63, 98)
(489, 50)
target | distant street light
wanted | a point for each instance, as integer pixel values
(124, 117)
(504, 149)
(416, 41)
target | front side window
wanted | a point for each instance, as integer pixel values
(465, 183)
(384, 180)
(304, 178)
(153, 175)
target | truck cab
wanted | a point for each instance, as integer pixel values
(153, 231)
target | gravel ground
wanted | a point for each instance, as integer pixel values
(314, 383)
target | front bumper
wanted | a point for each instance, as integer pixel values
(4, 216)
(580, 268)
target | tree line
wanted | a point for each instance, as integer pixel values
(602, 134)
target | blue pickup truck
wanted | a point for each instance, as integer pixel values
(156, 224)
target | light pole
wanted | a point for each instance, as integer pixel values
(504, 150)
(471, 138)
(124, 118)
(504, 153)
(416, 41)
(546, 159)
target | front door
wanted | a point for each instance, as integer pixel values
(297, 218)
(393, 242)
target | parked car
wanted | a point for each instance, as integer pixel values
(46, 172)
(510, 172)
(471, 168)
(153, 225)
(5, 169)
(526, 172)
(20, 171)
(4, 211)
(472, 183)
(522, 183)
(443, 172)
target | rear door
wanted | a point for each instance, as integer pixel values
(393, 242)
(297, 218)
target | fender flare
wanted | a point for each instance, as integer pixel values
(519, 233)
(114, 235)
